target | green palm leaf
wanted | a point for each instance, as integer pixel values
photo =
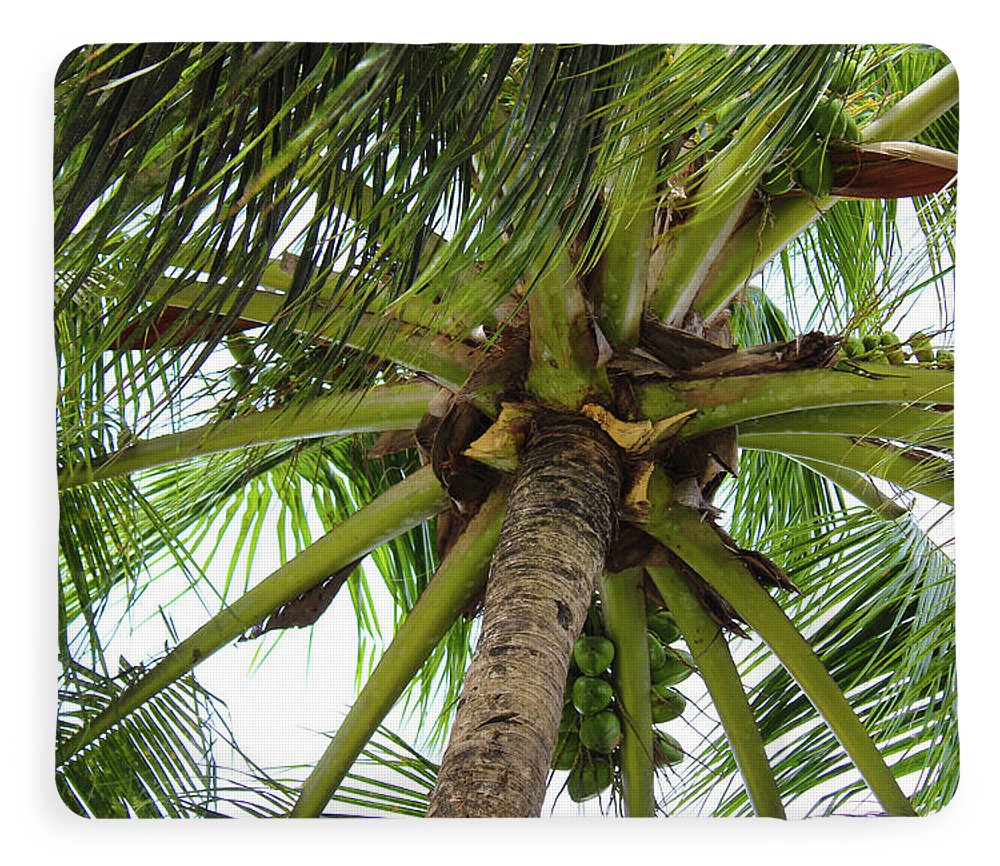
(160, 763)
(878, 606)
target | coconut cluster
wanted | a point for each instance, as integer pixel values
(886, 348)
(806, 163)
(590, 732)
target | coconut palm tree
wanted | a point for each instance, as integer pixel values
(491, 313)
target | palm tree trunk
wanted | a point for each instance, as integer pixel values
(560, 522)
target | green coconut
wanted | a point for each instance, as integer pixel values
(813, 169)
(678, 666)
(832, 121)
(844, 77)
(664, 626)
(851, 130)
(827, 118)
(921, 345)
(591, 695)
(777, 180)
(601, 732)
(657, 654)
(892, 347)
(239, 377)
(666, 750)
(589, 778)
(852, 347)
(241, 349)
(593, 654)
(567, 751)
(666, 703)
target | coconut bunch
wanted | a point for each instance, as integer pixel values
(590, 732)
(829, 157)
(886, 348)
(806, 163)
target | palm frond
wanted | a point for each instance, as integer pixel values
(236, 143)
(878, 606)
(389, 777)
(794, 495)
(158, 763)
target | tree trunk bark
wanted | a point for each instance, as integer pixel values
(560, 522)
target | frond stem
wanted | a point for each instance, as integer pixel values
(389, 407)
(624, 610)
(460, 576)
(683, 531)
(917, 471)
(396, 511)
(447, 361)
(710, 650)
(724, 401)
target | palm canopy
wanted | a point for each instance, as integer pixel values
(340, 280)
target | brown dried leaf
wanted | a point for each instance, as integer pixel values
(891, 169)
(307, 608)
(467, 482)
(808, 351)
(678, 349)
(392, 442)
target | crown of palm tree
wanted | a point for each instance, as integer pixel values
(367, 282)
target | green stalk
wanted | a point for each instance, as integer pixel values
(696, 244)
(917, 110)
(563, 352)
(460, 576)
(927, 475)
(728, 400)
(683, 531)
(415, 308)
(858, 485)
(414, 347)
(396, 511)
(389, 407)
(625, 261)
(715, 664)
(905, 424)
(760, 240)
(623, 605)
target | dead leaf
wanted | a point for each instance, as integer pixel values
(500, 446)
(891, 169)
(306, 609)
(635, 437)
